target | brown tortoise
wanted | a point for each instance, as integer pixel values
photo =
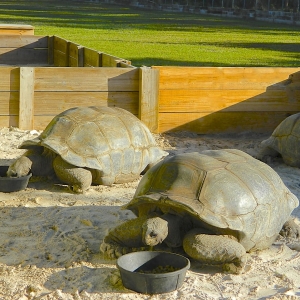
(217, 204)
(85, 145)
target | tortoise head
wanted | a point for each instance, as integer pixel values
(155, 230)
(165, 228)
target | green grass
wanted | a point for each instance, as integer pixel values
(160, 38)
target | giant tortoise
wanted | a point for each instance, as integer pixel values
(285, 140)
(217, 204)
(85, 145)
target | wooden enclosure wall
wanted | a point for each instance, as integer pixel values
(30, 97)
(32, 50)
(64, 53)
(23, 50)
(226, 100)
(42, 76)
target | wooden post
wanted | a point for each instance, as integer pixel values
(51, 50)
(26, 100)
(80, 56)
(148, 94)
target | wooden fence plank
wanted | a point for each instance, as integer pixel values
(214, 100)
(126, 65)
(23, 56)
(52, 103)
(28, 41)
(73, 54)
(16, 29)
(148, 105)
(222, 122)
(26, 108)
(61, 52)
(91, 58)
(109, 60)
(10, 79)
(10, 120)
(222, 78)
(229, 99)
(9, 103)
(89, 79)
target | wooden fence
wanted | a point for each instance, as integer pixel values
(26, 50)
(226, 100)
(42, 76)
(31, 96)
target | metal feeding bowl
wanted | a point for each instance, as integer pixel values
(153, 272)
(12, 184)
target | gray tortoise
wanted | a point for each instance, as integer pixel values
(217, 204)
(86, 145)
(284, 141)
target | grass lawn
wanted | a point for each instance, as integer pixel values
(159, 38)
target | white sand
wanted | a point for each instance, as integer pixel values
(49, 238)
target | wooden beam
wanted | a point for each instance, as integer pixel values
(16, 29)
(26, 106)
(149, 93)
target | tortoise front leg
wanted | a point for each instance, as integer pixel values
(215, 249)
(79, 179)
(125, 238)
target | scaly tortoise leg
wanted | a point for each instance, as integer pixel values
(125, 238)
(215, 249)
(79, 179)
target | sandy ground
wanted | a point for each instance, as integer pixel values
(49, 237)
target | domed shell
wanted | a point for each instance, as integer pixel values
(286, 139)
(226, 189)
(100, 138)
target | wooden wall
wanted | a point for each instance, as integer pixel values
(64, 53)
(31, 96)
(32, 50)
(226, 100)
(41, 76)
(23, 50)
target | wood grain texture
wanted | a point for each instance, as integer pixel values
(52, 103)
(9, 103)
(229, 100)
(16, 29)
(222, 100)
(91, 58)
(248, 78)
(26, 101)
(87, 79)
(149, 91)
(10, 79)
(222, 122)
(13, 41)
(23, 56)
(7, 121)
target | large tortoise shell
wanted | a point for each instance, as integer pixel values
(285, 140)
(228, 190)
(101, 138)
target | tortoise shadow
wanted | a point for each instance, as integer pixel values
(55, 236)
(91, 280)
